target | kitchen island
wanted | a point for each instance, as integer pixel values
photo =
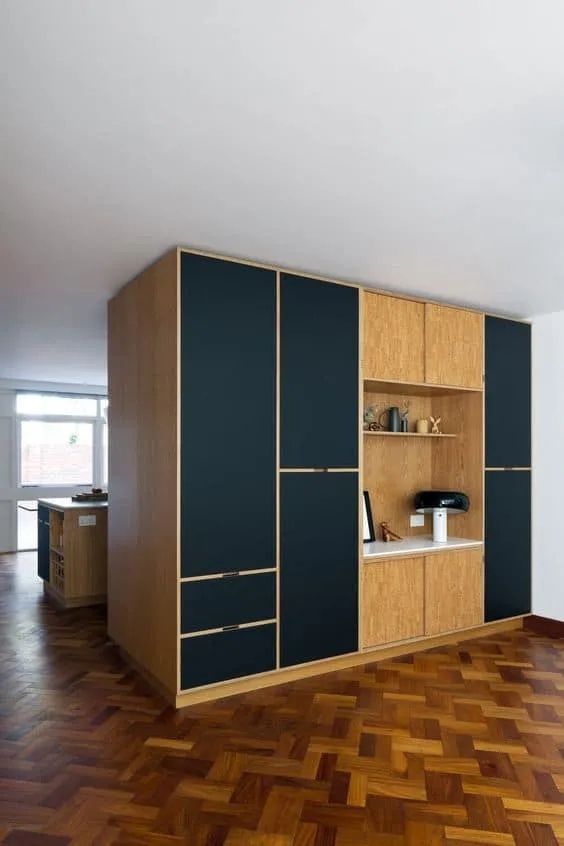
(72, 551)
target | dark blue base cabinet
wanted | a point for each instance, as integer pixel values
(211, 658)
(508, 544)
(43, 554)
(318, 566)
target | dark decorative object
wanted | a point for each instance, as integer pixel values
(368, 533)
(394, 419)
(387, 534)
(404, 419)
(440, 504)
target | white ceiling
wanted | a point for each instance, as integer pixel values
(409, 145)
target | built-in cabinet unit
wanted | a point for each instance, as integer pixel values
(238, 458)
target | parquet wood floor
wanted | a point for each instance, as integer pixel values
(456, 746)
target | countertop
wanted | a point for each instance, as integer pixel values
(411, 546)
(67, 504)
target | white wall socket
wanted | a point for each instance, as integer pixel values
(416, 520)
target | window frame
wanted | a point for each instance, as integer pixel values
(97, 422)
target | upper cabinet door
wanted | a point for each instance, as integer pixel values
(454, 347)
(319, 374)
(228, 416)
(394, 339)
(508, 393)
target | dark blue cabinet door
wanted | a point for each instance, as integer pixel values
(319, 551)
(319, 373)
(508, 393)
(211, 658)
(228, 416)
(43, 556)
(508, 544)
(227, 601)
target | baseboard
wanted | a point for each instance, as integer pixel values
(73, 602)
(544, 626)
(319, 668)
(169, 695)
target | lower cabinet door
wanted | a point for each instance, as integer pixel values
(508, 543)
(43, 554)
(211, 658)
(393, 600)
(454, 590)
(319, 556)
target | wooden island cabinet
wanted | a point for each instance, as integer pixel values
(72, 551)
(239, 460)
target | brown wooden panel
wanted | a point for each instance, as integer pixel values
(404, 463)
(393, 339)
(392, 600)
(454, 590)
(86, 554)
(143, 450)
(458, 464)
(454, 346)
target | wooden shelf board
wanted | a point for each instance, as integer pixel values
(409, 434)
(414, 388)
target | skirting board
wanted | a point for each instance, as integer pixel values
(318, 668)
(73, 602)
(544, 626)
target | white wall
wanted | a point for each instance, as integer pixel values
(9, 491)
(548, 465)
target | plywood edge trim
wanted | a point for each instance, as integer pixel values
(319, 668)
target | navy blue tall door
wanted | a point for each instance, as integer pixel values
(319, 372)
(508, 544)
(508, 393)
(43, 555)
(228, 416)
(319, 549)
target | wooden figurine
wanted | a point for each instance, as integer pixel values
(387, 534)
(435, 421)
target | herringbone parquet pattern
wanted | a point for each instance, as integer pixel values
(459, 745)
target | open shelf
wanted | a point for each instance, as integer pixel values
(419, 389)
(408, 434)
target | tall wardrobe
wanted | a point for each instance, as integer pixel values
(237, 466)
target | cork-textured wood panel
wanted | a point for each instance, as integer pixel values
(454, 346)
(86, 554)
(393, 599)
(454, 590)
(143, 452)
(393, 339)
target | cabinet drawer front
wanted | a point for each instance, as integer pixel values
(227, 601)
(207, 659)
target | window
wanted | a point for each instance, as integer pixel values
(62, 440)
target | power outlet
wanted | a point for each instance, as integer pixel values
(416, 520)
